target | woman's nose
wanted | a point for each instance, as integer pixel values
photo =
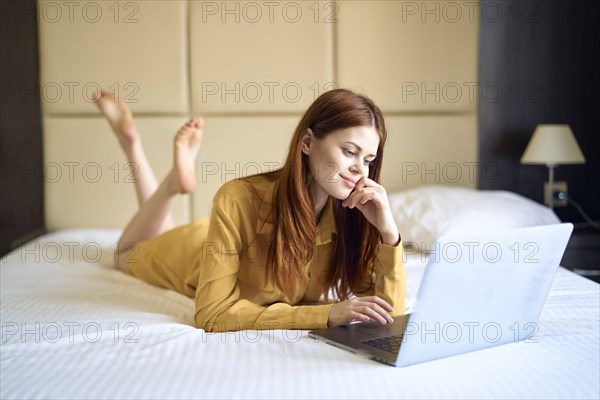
(359, 169)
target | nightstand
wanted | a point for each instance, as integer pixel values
(582, 255)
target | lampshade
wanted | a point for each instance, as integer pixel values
(552, 145)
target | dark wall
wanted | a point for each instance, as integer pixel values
(21, 185)
(545, 58)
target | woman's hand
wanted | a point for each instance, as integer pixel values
(360, 309)
(371, 199)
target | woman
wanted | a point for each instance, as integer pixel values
(278, 245)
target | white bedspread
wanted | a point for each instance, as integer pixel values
(73, 327)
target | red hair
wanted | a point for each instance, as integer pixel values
(295, 226)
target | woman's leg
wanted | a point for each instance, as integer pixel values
(148, 222)
(121, 121)
(153, 216)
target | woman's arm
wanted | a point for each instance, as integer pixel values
(380, 295)
(371, 199)
(390, 276)
(218, 303)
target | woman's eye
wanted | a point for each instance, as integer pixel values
(349, 153)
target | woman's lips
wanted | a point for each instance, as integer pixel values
(349, 182)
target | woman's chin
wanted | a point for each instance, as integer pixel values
(340, 194)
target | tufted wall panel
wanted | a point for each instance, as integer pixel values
(250, 69)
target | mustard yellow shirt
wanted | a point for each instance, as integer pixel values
(232, 291)
(222, 263)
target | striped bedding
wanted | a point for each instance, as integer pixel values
(74, 327)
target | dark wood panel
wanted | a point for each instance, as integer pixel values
(545, 57)
(583, 253)
(21, 185)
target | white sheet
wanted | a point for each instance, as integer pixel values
(164, 356)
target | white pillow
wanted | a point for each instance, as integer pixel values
(426, 213)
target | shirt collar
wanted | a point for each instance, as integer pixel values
(326, 226)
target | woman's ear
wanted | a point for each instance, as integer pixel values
(306, 141)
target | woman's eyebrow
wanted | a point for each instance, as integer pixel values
(360, 149)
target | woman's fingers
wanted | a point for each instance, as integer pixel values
(374, 311)
(357, 196)
(356, 316)
(357, 189)
(371, 313)
(378, 300)
(360, 309)
(366, 189)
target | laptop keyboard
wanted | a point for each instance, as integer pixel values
(387, 343)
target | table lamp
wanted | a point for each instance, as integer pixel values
(552, 145)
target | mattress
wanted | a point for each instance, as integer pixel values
(74, 327)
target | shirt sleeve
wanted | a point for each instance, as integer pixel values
(389, 277)
(218, 303)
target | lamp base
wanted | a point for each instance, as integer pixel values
(558, 191)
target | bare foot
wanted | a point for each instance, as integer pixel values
(119, 117)
(187, 144)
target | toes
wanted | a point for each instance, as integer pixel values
(99, 95)
(198, 122)
(184, 132)
(102, 95)
(194, 123)
(187, 130)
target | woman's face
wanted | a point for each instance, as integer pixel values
(340, 159)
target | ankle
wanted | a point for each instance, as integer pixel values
(171, 183)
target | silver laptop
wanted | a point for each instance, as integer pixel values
(478, 291)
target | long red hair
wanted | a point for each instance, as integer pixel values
(293, 211)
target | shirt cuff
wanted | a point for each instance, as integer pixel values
(388, 256)
(311, 317)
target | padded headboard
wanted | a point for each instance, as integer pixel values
(250, 69)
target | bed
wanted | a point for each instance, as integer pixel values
(75, 327)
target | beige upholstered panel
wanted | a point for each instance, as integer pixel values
(238, 146)
(259, 56)
(410, 56)
(425, 150)
(87, 179)
(136, 47)
(251, 69)
(420, 150)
